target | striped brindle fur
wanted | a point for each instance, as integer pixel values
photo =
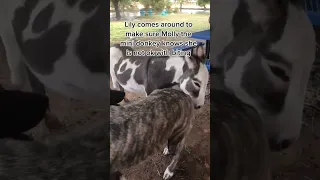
(139, 129)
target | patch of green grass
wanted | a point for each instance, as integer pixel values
(199, 22)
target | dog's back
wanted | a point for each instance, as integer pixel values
(141, 128)
(240, 145)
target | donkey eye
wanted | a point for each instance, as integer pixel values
(279, 72)
(197, 84)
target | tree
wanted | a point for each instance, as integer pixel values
(124, 4)
(181, 3)
(203, 3)
(146, 3)
(116, 4)
(116, 9)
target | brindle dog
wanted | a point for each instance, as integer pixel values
(141, 128)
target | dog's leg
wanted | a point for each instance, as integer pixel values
(172, 145)
(52, 122)
(166, 150)
(178, 149)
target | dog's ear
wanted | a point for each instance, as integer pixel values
(116, 97)
(21, 111)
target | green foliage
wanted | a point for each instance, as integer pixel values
(203, 3)
(175, 10)
(167, 4)
(145, 3)
(156, 5)
(123, 4)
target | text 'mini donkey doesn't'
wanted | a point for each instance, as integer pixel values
(267, 49)
(141, 128)
(61, 43)
(143, 74)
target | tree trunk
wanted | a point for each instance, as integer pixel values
(180, 7)
(116, 8)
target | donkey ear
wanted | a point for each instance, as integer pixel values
(264, 12)
(199, 53)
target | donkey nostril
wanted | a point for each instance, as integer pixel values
(198, 107)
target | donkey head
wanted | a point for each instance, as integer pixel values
(266, 48)
(195, 77)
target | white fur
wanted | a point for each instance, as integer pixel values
(296, 45)
(166, 151)
(7, 34)
(167, 174)
(176, 63)
(132, 85)
(115, 54)
(204, 76)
